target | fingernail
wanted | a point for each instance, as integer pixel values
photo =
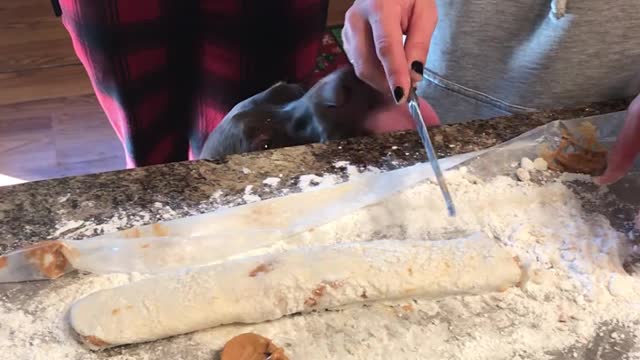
(398, 94)
(417, 67)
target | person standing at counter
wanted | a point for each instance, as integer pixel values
(490, 58)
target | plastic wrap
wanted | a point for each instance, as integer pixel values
(618, 202)
(213, 237)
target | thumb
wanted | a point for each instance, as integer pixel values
(626, 148)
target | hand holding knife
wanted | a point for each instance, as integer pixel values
(414, 109)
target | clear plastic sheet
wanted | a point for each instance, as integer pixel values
(209, 238)
(619, 202)
(499, 159)
(265, 225)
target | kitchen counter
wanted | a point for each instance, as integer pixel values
(57, 208)
(79, 207)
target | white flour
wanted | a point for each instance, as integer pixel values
(72, 229)
(353, 171)
(271, 181)
(575, 283)
(39, 331)
(313, 181)
(249, 196)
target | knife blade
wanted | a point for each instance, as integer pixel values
(414, 109)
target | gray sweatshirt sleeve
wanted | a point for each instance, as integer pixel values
(493, 57)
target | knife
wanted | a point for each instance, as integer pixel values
(414, 109)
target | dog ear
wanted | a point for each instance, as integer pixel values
(332, 95)
(280, 94)
(335, 89)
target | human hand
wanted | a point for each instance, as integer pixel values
(393, 117)
(626, 148)
(372, 38)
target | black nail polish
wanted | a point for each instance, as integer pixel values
(398, 94)
(417, 67)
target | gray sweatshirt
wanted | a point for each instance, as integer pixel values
(498, 57)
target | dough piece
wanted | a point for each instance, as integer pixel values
(540, 164)
(263, 288)
(250, 346)
(526, 164)
(523, 174)
(581, 153)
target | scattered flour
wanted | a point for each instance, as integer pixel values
(271, 181)
(67, 226)
(575, 285)
(215, 201)
(317, 182)
(39, 329)
(526, 163)
(353, 171)
(523, 174)
(249, 196)
(74, 229)
(216, 195)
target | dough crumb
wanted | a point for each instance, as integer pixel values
(581, 153)
(95, 342)
(261, 269)
(523, 174)
(526, 163)
(48, 257)
(251, 346)
(540, 164)
(407, 307)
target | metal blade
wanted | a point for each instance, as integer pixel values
(414, 109)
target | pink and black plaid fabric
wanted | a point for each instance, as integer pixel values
(167, 71)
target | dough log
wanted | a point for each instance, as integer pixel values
(257, 289)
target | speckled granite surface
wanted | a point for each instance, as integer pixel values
(34, 211)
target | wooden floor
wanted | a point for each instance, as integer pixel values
(53, 138)
(51, 125)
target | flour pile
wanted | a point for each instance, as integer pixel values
(577, 297)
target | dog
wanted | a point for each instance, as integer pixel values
(339, 106)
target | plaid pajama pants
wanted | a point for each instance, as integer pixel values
(167, 71)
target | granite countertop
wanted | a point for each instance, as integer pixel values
(33, 212)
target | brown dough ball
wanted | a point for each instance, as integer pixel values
(250, 346)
